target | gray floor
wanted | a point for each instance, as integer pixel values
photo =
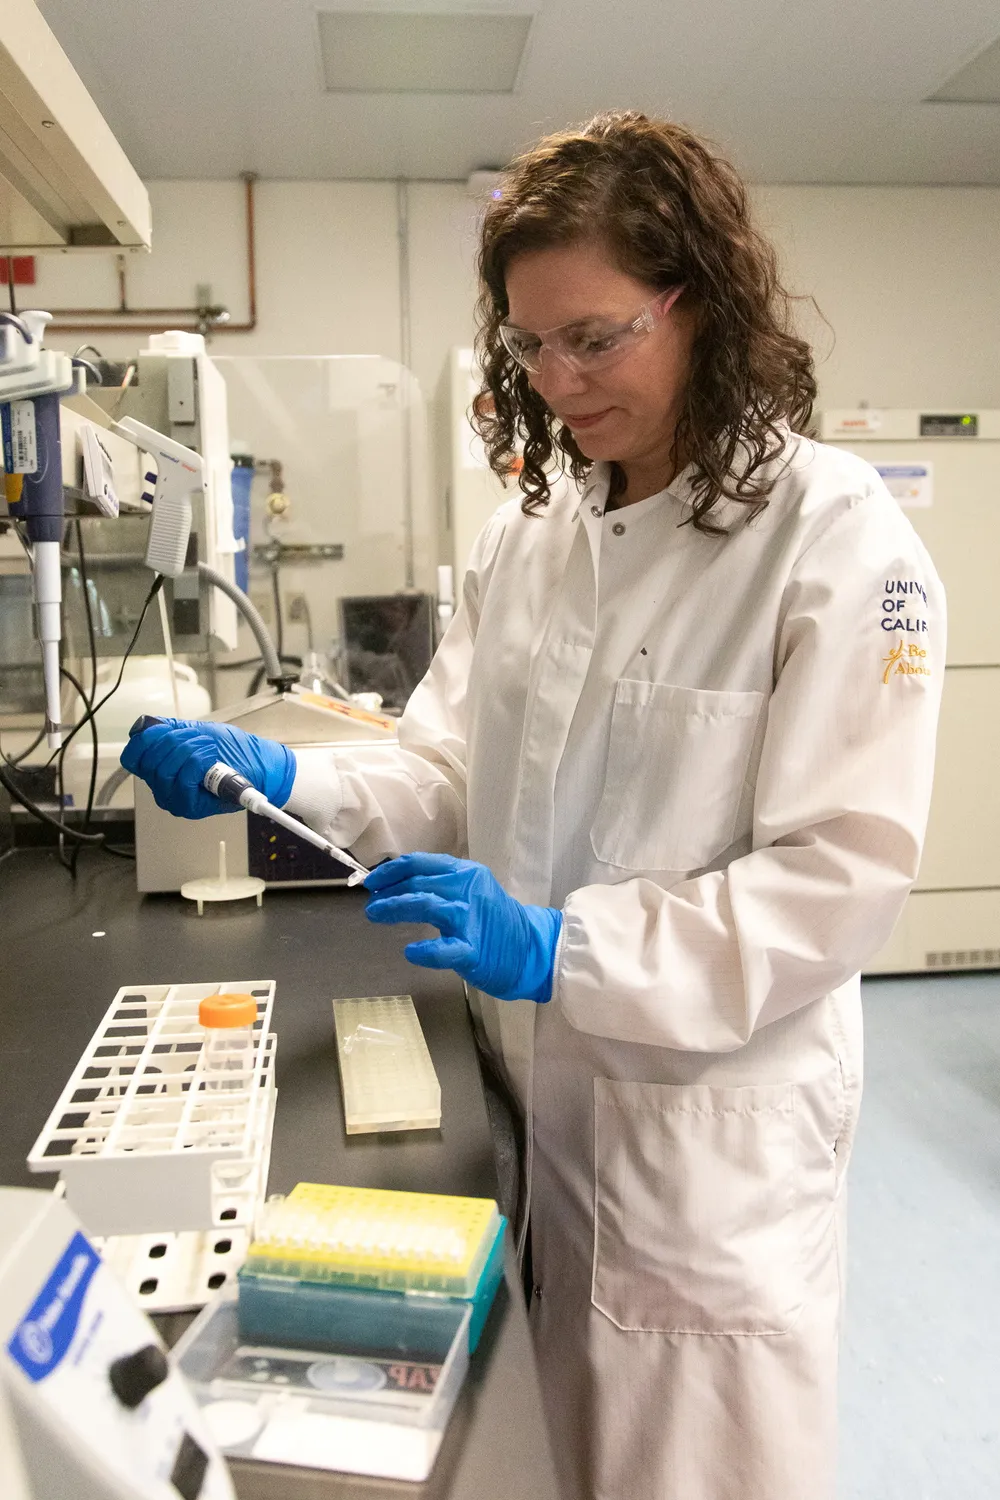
(920, 1396)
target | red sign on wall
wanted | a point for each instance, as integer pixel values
(24, 269)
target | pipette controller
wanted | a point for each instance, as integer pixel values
(229, 786)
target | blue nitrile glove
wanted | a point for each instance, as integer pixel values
(499, 945)
(172, 756)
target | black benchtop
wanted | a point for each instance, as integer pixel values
(57, 980)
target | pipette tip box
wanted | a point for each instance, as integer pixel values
(322, 1248)
(347, 1342)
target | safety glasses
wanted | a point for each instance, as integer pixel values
(588, 343)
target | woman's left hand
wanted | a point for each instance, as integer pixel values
(497, 944)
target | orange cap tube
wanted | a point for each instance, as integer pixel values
(227, 1011)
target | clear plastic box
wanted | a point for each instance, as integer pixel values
(376, 1403)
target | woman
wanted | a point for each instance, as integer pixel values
(673, 730)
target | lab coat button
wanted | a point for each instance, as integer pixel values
(536, 1291)
(595, 510)
(618, 529)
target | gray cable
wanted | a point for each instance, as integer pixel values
(250, 613)
(117, 778)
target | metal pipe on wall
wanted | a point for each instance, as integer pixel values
(405, 357)
(121, 321)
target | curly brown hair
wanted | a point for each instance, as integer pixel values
(671, 212)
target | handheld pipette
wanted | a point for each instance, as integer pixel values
(180, 473)
(229, 786)
(32, 463)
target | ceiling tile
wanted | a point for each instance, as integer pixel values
(396, 52)
(978, 82)
(792, 92)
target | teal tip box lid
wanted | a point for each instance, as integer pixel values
(280, 1308)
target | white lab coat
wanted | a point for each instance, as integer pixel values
(715, 755)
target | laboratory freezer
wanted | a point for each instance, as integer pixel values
(944, 469)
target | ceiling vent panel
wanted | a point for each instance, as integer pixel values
(414, 52)
(978, 82)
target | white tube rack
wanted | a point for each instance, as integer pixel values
(167, 1176)
(387, 1077)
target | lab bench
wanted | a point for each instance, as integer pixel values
(57, 978)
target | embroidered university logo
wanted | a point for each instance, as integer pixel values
(901, 606)
(905, 661)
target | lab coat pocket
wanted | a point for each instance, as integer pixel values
(677, 763)
(694, 1212)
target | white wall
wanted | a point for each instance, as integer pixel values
(906, 277)
(327, 266)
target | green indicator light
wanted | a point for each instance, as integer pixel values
(966, 421)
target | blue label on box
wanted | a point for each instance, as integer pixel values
(41, 1339)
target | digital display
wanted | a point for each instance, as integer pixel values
(961, 424)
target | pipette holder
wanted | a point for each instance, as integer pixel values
(28, 370)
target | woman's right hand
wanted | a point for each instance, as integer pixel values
(172, 756)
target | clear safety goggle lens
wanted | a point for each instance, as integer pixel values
(584, 346)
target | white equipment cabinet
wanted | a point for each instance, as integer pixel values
(944, 467)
